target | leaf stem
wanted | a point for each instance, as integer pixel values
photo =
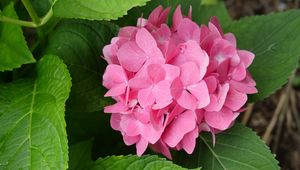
(33, 15)
(18, 22)
(32, 24)
(46, 18)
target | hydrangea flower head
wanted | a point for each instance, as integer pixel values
(172, 83)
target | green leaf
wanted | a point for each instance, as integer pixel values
(41, 6)
(13, 48)
(79, 43)
(209, 2)
(80, 155)
(236, 148)
(94, 9)
(32, 133)
(134, 163)
(274, 40)
(201, 13)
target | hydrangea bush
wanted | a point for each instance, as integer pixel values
(171, 76)
(170, 84)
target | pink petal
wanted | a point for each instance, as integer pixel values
(189, 73)
(115, 120)
(130, 140)
(146, 97)
(156, 73)
(127, 32)
(189, 141)
(215, 28)
(172, 72)
(162, 94)
(212, 83)
(177, 17)
(246, 57)
(157, 118)
(130, 125)
(143, 115)
(158, 16)
(245, 86)
(199, 115)
(116, 90)
(116, 108)
(150, 134)
(220, 120)
(200, 91)
(231, 38)
(215, 22)
(188, 30)
(139, 83)
(164, 16)
(217, 100)
(235, 100)
(173, 50)
(176, 88)
(212, 67)
(180, 126)
(145, 41)
(141, 22)
(223, 70)
(141, 146)
(110, 54)
(154, 16)
(131, 57)
(207, 41)
(239, 72)
(113, 75)
(222, 50)
(162, 148)
(191, 52)
(204, 32)
(162, 35)
(175, 111)
(187, 100)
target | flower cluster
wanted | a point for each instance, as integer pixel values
(171, 83)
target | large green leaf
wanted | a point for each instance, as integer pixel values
(237, 148)
(80, 158)
(79, 43)
(201, 13)
(94, 9)
(32, 133)
(80, 155)
(134, 163)
(275, 41)
(13, 48)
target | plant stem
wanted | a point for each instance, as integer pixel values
(18, 22)
(33, 15)
(46, 18)
(31, 24)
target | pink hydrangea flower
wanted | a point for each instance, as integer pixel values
(172, 83)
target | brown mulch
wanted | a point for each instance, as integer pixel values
(277, 118)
